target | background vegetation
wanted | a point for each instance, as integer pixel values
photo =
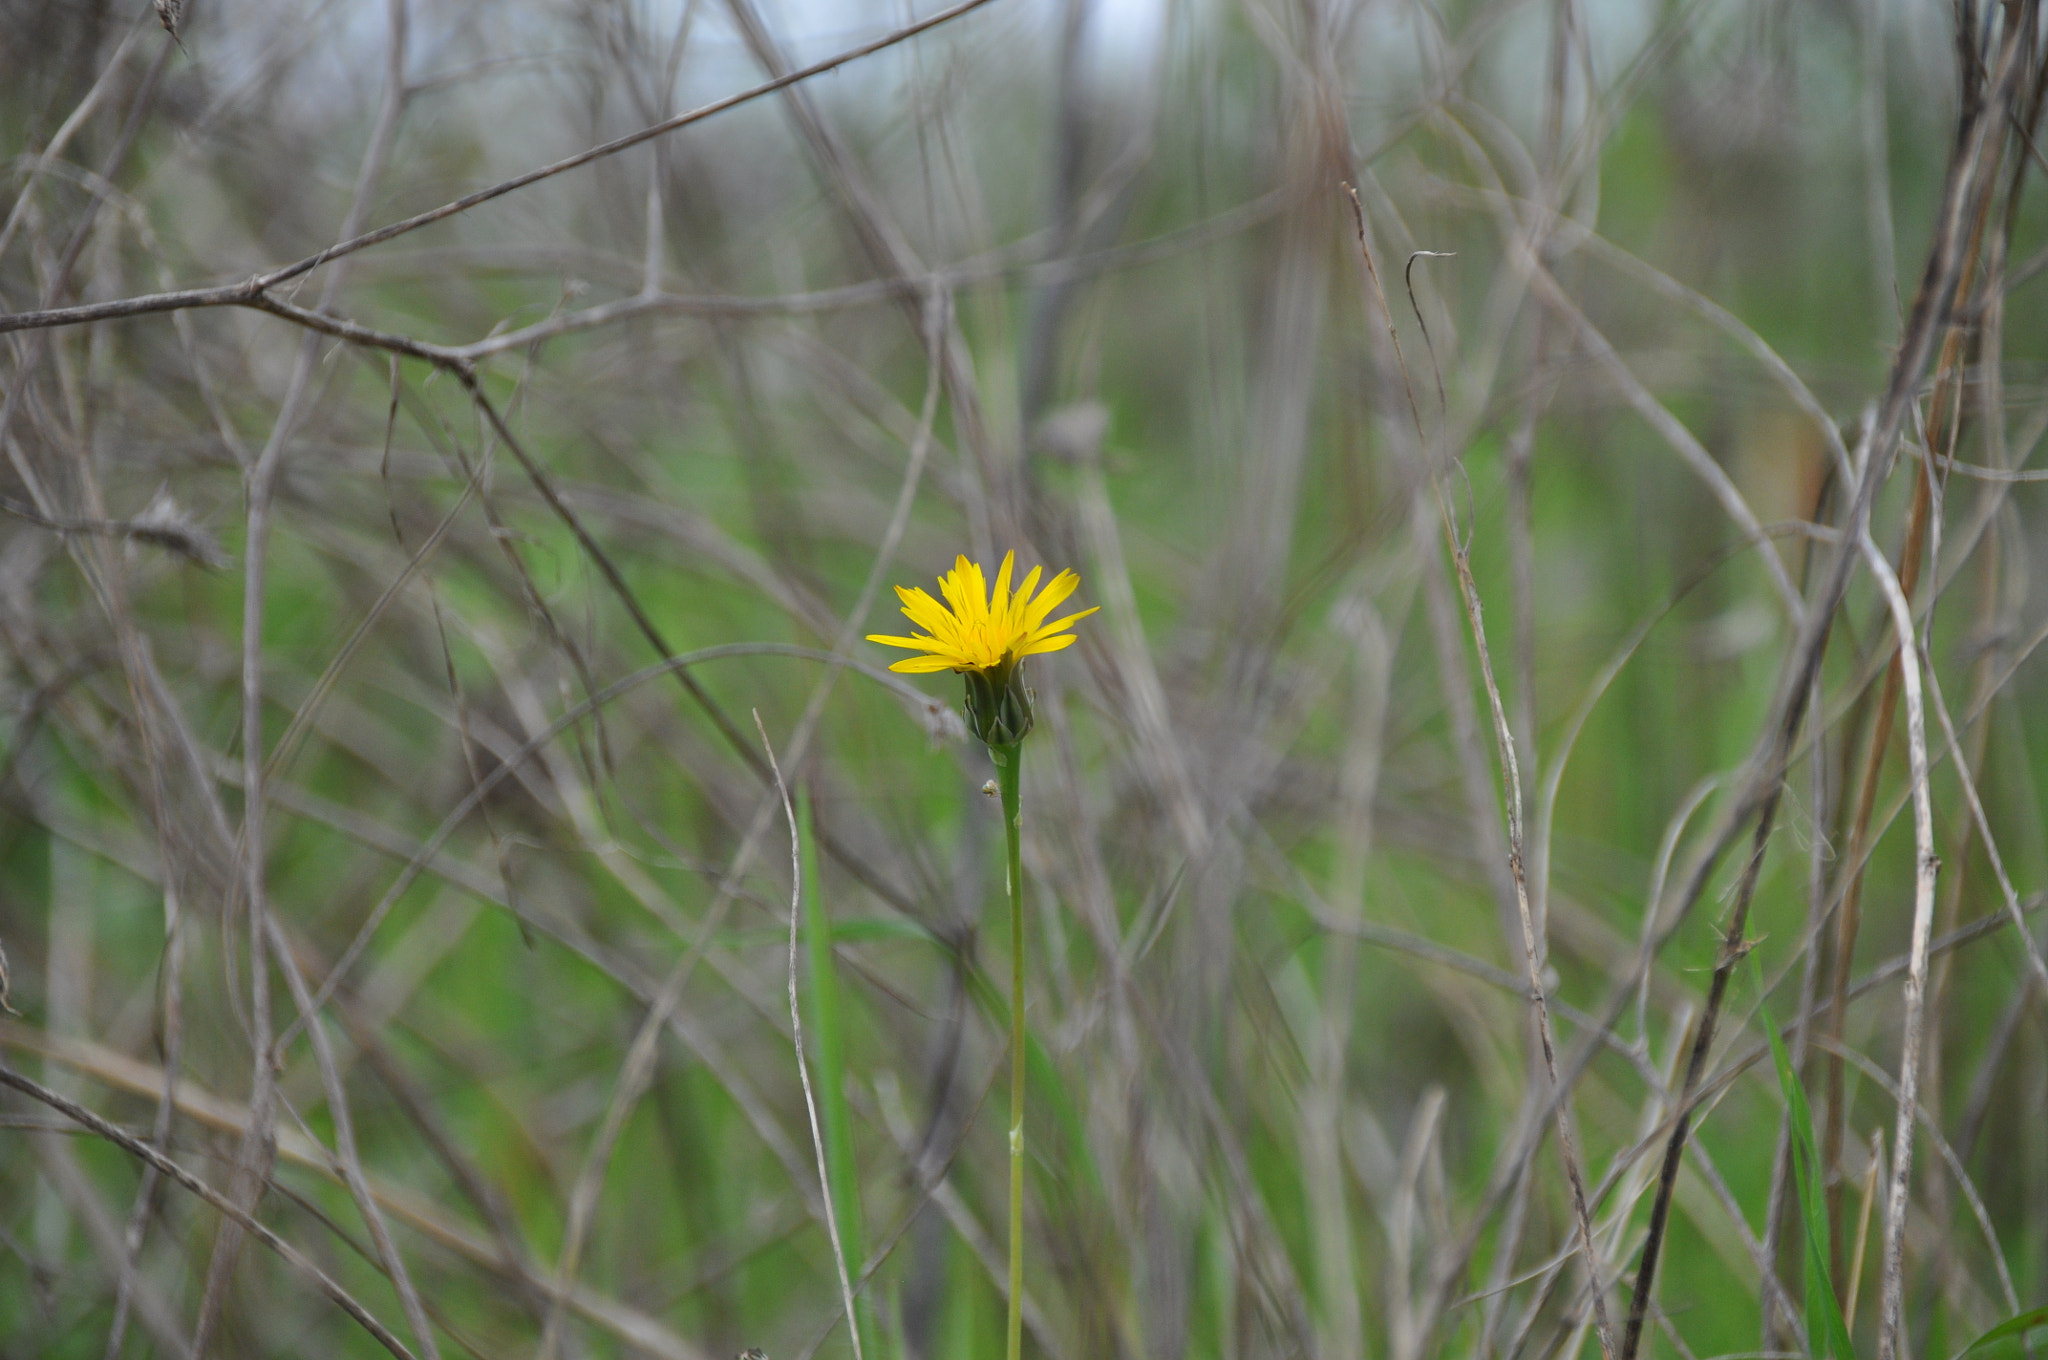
(410, 918)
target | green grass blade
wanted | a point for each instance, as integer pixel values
(2006, 1339)
(1827, 1332)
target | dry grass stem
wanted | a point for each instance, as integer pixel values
(428, 429)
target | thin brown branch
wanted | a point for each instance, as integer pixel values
(253, 291)
(1974, 156)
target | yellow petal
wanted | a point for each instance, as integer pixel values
(1056, 625)
(1014, 623)
(919, 665)
(928, 614)
(966, 592)
(1056, 591)
(1051, 644)
(999, 602)
(915, 644)
(974, 586)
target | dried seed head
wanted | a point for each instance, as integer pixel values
(166, 525)
(171, 13)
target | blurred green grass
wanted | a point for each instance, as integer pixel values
(739, 471)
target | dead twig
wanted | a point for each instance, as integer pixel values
(254, 291)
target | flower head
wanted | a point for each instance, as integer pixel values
(986, 636)
(982, 631)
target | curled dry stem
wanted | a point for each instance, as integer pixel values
(1533, 950)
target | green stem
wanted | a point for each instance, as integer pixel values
(1008, 761)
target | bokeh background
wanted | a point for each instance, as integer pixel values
(358, 855)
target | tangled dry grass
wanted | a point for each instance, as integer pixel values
(1509, 444)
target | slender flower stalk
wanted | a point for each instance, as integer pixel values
(985, 636)
(1009, 766)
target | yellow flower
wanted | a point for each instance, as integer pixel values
(982, 631)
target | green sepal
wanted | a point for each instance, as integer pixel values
(998, 703)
